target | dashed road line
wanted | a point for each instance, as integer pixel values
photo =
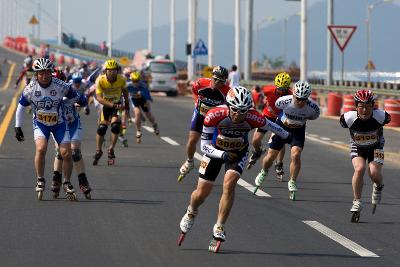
(169, 141)
(325, 138)
(347, 243)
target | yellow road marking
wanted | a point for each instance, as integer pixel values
(10, 73)
(10, 113)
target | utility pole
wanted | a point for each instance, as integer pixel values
(150, 29)
(109, 53)
(210, 32)
(172, 32)
(40, 22)
(329, 51)
(192, 15)
(59, 29)
(248, 40)
(303, 41)
(237, 33)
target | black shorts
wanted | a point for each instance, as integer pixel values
(259, 130)
(375, 153)
(298, 137)
(197, 122)
(141, 103)
(108, 113)
(210, 167)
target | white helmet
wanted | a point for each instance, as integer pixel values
(42, 64)
(302, 89)
(240, 98)
(28, 60)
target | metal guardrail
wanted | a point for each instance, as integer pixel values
(327, 89)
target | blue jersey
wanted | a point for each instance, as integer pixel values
(138, 91)
(48, 106)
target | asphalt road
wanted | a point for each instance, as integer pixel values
(133, 218)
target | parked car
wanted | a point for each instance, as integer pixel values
(161, 75)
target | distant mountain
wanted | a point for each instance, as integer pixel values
(385, 35)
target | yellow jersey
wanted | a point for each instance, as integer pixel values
(110, 91)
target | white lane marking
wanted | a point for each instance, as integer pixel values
(347, 243)
(325, 138)
(148, 129)
(169, 141)
(320, 141)
(338, 142)
(313, 135)
(251, 188)
(241, 182)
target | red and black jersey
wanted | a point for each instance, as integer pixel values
(270, 110)
(28, 73)
(206, 97)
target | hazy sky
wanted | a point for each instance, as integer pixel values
(89, 17)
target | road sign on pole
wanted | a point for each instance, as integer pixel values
(33, 20)
(200, 49)
(342, 34)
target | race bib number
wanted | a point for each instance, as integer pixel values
(379, 156)
(227, 143)
(47, 117)
(204, 109)
(203, 164)
(365, 139)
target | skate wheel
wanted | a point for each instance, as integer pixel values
(180, 177)
(214, 246)
(95, 163)
(255, 190)
(279, 178)
(181, 238)
(355, 217)
(373, 208)
(292, 195)
(88, 196)
(72, 197)
(40, 195)
(110, 162)
(138, 140)
(56, 194)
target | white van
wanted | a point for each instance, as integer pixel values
(162, 76)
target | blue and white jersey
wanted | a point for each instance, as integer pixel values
(47, 103)
(70, 112)
(293, 116)
(139, 91)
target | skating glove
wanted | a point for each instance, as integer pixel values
(229, 156)
(19, 134)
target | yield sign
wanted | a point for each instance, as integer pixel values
(342, 34)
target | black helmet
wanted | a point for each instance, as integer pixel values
(220, 73)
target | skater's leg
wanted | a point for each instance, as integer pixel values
(257, 140)
(375, 172)
(357, 180)
(65, 150)
(57, 165)
(40, 156)
(78, 162)
(268, 160)
(115, 129)
(281, 155)
(200, 193)
(138, 121)
(228, 196)
(295, 163)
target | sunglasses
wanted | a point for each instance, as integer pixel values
(237, 110)
(301, 99)
(218, 80)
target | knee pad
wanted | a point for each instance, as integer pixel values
(76, 154)
(58, 154)
(115, 127)
(102, 129)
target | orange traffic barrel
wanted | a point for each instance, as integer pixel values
(60, 59)
(334, 104)
(314, 96)
(71, 61)
(392, 106)
(348, 103)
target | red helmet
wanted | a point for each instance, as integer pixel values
(364, 96)
(59, 74)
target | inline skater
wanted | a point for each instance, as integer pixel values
(110, 88)
(208, 93)
(366, 144)
(27, 72)
(45, 94)
(295, 109)
(270, 111)
(140, 96)
(224, 141)
(75, 130)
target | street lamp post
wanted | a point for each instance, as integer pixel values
(268, 19)
(368, 21)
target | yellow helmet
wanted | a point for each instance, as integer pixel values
(283, 80)
(111, 64)
(135, 76)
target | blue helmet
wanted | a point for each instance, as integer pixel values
(77, 77)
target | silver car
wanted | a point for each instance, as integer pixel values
(162, 76)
